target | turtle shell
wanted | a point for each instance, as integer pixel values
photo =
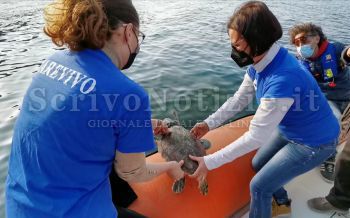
(178, 145)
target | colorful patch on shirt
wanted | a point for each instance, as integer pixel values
(329, 73)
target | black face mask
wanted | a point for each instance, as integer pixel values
(241, 58)
(132, 56)
(130, 60)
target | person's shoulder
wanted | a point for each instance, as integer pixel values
(287, 76)
(108, 75)
(56, 56)
(338, 47)
(132, 87)
(67, 58)
(287, 62)
(125, 87)
(336, 43)
(291, 71)
(286, 54)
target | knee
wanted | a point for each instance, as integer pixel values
(254, 186)
(257, 164)
(258, 189)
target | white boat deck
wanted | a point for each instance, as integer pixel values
(304, 187)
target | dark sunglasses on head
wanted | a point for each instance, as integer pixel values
(302, 39)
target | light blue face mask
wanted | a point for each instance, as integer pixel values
(306, 51)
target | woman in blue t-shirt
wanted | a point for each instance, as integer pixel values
(292, 112)
(81, 115)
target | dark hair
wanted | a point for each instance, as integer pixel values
(258, 25)
(81, 24)
(308, 28)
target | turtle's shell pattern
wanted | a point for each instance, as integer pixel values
(179, 145)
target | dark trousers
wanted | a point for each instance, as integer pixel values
(339, 195)
(122, 196)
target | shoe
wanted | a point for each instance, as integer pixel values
(283, 210)
(327, 169)
(321, 205)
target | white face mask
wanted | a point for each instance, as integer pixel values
(306, 51)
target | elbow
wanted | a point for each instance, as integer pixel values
(125, 177)
(132, 176)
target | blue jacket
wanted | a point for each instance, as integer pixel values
(331, 65)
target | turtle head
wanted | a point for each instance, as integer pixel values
(169, 122)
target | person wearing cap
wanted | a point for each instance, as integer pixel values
(328, 62)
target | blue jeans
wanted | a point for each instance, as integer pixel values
(277, 163)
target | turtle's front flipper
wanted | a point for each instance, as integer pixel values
(205, 143)
(179, 185)
(203, 187)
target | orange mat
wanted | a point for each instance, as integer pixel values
(228, 185)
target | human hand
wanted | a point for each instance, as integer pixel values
(159, 127)
(175, 170)
(199, 130)
(201, 173)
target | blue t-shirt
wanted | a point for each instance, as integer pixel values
(309, 120)
(78, 111)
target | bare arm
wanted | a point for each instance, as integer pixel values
(159, 127)
(132, 167)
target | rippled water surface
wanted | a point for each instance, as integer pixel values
(184, 62)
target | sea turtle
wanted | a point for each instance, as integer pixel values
(177, 146)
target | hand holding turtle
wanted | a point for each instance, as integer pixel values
(175, 170)
(201, 173)
(159, 127)
(199, 130)
(176, 147)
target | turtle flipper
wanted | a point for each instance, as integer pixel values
(179, 185)
(203, 187)
(205, 143)
(169, 122)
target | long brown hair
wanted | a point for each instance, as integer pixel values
(81, 24)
